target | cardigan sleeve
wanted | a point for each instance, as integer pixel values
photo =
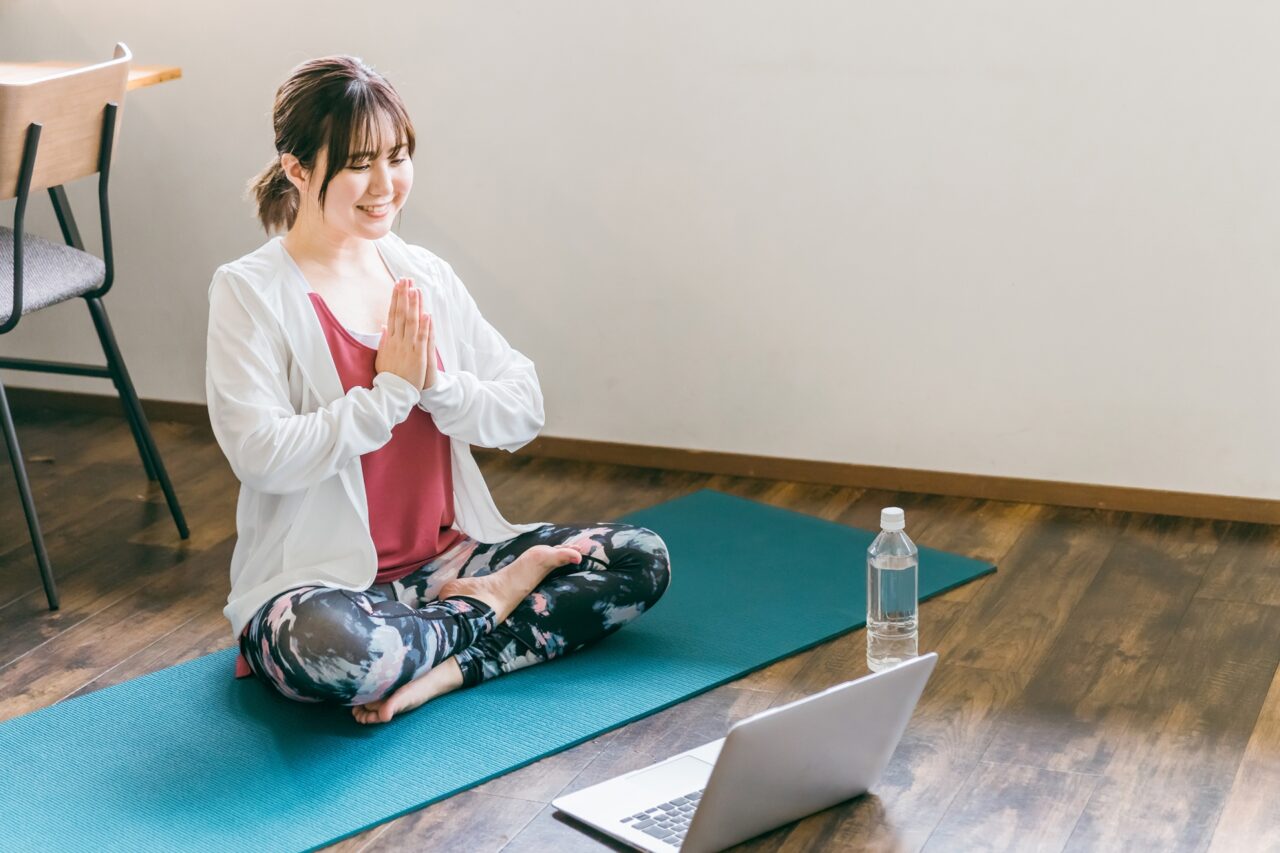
(271, 447)
(499, 403)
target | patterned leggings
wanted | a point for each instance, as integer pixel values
(320, 644)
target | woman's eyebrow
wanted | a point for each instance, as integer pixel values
(365, 155)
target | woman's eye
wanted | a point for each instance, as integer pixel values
(366, 165)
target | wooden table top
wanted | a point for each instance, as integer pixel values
(139, 75)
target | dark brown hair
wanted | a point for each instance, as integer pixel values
(331, 103)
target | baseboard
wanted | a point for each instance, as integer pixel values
(32, 399)
(1053, 492)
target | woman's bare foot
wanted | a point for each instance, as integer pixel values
(443, 678)
(504, 589)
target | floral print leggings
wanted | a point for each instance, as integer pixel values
(321, 644)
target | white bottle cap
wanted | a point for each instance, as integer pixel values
(892, 518)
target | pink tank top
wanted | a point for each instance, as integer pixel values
(408, 481)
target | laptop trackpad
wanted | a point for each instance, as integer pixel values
(681, 776)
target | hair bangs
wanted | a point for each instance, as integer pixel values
(374, 112)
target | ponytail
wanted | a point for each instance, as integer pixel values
(274, 197)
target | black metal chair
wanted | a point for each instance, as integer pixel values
(54, 130)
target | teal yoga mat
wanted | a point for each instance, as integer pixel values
(189, 758)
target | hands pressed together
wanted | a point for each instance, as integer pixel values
(408, 343)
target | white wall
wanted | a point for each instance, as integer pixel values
(1001, 238)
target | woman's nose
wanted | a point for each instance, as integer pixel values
(380, 180)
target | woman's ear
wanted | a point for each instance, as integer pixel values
(294, 171)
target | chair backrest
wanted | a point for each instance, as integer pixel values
(69, 105)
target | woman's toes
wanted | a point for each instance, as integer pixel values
(370, 712)
(559, 555)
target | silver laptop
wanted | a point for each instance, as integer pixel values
(773, 767)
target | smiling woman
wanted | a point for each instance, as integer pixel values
(367, 540)
(360, 112)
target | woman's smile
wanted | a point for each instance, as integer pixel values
(376, 211)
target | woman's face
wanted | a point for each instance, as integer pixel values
(363, 198)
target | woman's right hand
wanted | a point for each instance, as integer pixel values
(403, 348)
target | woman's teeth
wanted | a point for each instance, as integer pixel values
(382, 208)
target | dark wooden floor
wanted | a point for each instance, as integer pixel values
(1112, 686)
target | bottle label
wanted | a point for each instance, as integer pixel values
(893, 563)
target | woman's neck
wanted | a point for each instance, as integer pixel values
(342, 256)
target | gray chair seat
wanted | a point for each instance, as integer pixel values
(51, 273)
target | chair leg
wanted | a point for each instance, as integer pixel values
(120, 375)
(28, 505)
(134, 427)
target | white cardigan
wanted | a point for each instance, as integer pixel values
(294, 439)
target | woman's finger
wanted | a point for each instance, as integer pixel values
(400, 300)
(411, 315)
(391, 310)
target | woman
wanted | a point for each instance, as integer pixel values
(371, 565)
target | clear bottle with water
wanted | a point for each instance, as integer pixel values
(893, 568)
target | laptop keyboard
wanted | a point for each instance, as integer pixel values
(667, 821)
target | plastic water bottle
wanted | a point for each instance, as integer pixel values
(893, 568)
